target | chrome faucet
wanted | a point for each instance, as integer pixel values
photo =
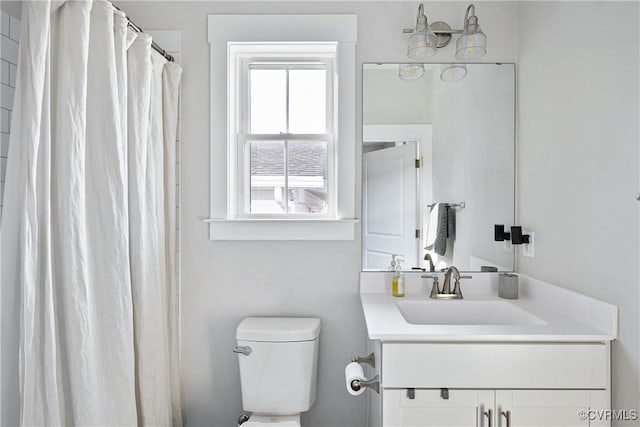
(432, 267)
(447, 292)
(446, 286)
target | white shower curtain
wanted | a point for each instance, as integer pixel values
(89, 297)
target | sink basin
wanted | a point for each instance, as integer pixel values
(465, 312)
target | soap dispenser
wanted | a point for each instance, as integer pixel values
(392, 266)
(397, 284)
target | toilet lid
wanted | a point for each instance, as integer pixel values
(278, 329)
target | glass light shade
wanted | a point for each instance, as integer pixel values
(422, 44)
(410, 71)
(472, 43)
(453, 72)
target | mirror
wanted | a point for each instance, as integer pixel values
(438, 165)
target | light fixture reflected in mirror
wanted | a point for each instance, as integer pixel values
(425, 39)
(410, 71)
(452, 72)
(422, 43)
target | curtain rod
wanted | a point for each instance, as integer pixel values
(139, 29)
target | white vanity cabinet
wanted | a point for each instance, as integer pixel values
(536, 408)
(489, 408)
(547, 369)
(475, 384)
(427, 407)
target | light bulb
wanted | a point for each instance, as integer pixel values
(410, 71)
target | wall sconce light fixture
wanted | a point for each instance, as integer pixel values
(473, 42)
(425, 39)
(422, 43)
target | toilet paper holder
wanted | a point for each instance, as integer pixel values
(373, 384)
(369, 360)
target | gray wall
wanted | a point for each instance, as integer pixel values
(222, 282)
(578, 160)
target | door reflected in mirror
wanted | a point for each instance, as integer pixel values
(438, 167)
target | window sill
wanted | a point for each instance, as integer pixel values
(282, 229)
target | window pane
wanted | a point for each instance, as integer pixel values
(307, 177)
(307, 101)
(268, 101)
(267, 177)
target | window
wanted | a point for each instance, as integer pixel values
(283, 129)
(282, 158)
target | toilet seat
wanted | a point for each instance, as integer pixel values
(273, 421)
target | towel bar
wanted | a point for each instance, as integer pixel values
(460, 205)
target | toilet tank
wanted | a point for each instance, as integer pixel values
(279, 374)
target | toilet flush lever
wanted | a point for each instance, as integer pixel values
(246, 350)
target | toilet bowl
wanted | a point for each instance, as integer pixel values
(278, 359)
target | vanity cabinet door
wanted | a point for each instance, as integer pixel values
(463, 408)
(549, 408)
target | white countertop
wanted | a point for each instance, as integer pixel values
(568, 316)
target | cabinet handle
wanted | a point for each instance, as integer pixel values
(489, 414)
(507, 415)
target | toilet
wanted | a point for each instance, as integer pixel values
(278, 358)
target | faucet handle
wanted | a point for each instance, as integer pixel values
(456, 285)
(432, 277)
(436, 288)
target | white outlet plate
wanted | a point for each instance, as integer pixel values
(508, 247)
(528, 249)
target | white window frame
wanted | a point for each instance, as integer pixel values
(228, 30)
(243, 57)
